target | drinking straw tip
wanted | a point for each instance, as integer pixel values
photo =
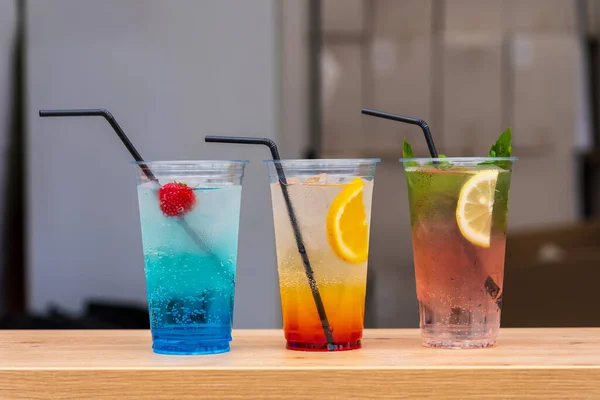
(408, 120)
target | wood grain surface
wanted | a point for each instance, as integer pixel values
(526, 364)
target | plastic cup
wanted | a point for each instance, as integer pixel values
(190, 257)
(459, 211)
(316, 189)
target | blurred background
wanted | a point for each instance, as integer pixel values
(297, 71)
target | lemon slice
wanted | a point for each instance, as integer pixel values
(347, 227)
(475, 206)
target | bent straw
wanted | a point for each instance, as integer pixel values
(134, 153)
(310, 275)
(408, 120)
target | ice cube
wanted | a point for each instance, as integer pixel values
(492, 288)
(321, 178)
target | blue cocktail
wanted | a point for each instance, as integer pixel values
(190, 220)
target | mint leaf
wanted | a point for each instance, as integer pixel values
(407, 151)
(502, 148)
(439, 163)
(442, 162)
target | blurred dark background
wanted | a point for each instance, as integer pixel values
(297, 71)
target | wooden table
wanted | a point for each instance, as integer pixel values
(527, 364)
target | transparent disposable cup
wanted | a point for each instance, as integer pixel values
(331, 202)
(190, 219)
(459, 212)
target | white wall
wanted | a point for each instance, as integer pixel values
(171, 72)
(295, 82)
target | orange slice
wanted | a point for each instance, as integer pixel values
(347, 227)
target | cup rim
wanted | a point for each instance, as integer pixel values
(457, 159)
(326, 161)
(190, 162)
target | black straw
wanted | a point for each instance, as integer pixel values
(408, 120)
(134, 153)
(310, 274)
(115, 125)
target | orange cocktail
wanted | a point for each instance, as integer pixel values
(332, 203)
